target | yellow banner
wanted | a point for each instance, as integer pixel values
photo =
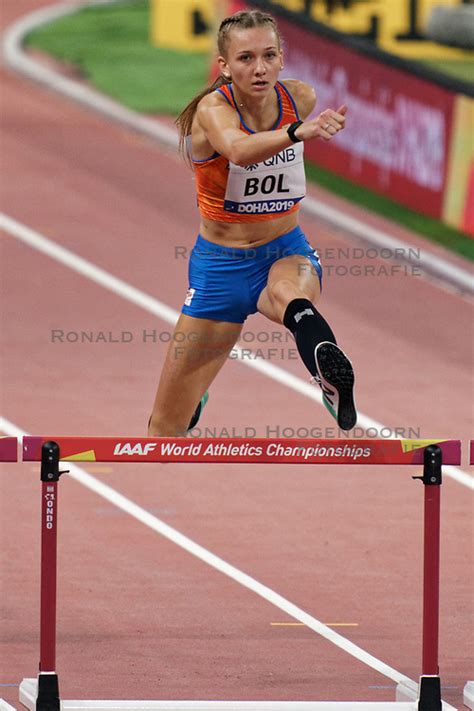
(397, 26)
(458, 207)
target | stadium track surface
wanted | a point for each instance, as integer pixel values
(135, 612)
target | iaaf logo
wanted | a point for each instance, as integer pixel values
(131, 449)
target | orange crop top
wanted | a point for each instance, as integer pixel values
(260, 191)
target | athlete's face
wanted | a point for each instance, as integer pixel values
(253, 60)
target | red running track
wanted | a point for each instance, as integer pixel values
(139, 617)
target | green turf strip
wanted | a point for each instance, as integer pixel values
(458, 68)
(109, 45)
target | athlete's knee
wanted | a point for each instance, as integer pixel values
(281, 291)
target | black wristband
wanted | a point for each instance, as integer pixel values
(291, 131)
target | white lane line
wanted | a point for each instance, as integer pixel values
(16, 57)
(425, 262)
(156, 524)
(158, 308)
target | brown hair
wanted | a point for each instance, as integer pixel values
(240, 20)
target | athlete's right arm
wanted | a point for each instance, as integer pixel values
(221, 125)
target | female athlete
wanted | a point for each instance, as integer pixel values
(245, 138)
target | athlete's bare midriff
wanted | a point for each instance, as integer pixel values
(247, 234)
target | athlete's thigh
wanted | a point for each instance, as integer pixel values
(198, 343)
(294, 276)
(195, 355)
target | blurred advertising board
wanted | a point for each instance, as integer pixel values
(407, 137)
(398, 26)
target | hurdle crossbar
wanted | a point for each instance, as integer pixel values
(8, 449)
(236, 450)
(52, 450)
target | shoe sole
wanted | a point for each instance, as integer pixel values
(336, 369)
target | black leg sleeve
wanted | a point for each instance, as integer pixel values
(309, 328)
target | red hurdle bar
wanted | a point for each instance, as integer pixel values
(48, 685)
(49, 517)
(249, 451)
(8, 449)
(52, 450)
(430, 683)
(471, 451)
(431, 579)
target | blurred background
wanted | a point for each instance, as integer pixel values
(404, 67)
(83, 343)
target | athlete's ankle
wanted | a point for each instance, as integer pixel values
(157, 427)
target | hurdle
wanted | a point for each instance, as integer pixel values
(42, 693)
(468, 691)
(8, 449)
(8, 453)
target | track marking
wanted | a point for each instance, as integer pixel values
(148, 303)
(173, 535)
(301, 624)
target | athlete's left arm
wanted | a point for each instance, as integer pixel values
(303, 95)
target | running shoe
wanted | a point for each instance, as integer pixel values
(335, 377)
(198, 411)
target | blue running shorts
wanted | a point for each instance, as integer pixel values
(226, 282)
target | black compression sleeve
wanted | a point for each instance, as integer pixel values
(309, 328)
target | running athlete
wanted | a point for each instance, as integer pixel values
(245, 136)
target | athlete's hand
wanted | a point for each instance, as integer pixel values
(325, 126)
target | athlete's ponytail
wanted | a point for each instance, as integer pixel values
(240, 20)
(184, 121)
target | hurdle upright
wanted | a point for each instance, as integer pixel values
(468, 692)
(43, 694)
(8, 453)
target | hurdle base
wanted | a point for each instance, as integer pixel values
(29, 690)
(48, 692)
(425, 696)
(430, 694)
(468, 695)
(4, 706)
